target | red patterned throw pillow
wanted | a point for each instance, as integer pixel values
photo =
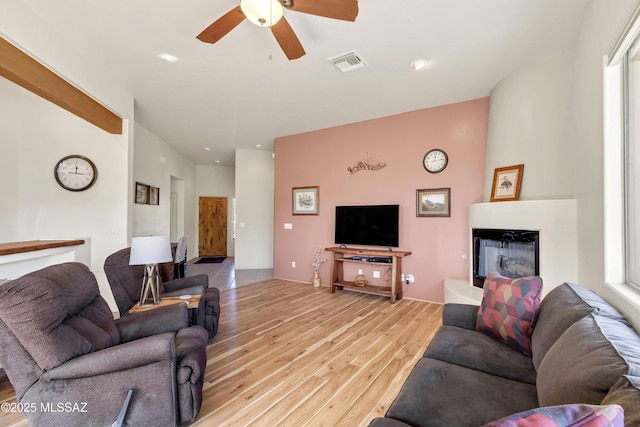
(577, 415)
(509, 309)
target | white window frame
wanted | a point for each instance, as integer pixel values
(614, 136)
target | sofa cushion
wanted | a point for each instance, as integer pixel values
(626, 393)
(561, 308)
(509, 309)
(480, 352)
(441, 394)
(587, 360)
(565, 416)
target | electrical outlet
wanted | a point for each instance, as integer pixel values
(359, 271)
(293, 264)
(402, 277)
(409, 278)
(376, 274)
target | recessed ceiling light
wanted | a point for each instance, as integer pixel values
(168, 57)
(419, 64)
(217, 161)
(258, 145)
(207, 149)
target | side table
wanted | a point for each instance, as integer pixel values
(192, 303)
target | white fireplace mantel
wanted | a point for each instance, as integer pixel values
(555, 220)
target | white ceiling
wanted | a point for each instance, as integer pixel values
(242, 91)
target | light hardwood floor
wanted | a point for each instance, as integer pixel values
(289, 354)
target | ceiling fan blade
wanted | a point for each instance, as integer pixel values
(222, 26)
(346, 10)
(287, 39)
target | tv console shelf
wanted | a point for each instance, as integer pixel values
(362, 256)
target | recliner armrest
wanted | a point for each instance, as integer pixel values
(186, 282)
(460, 315)
(170, 318)
(117, 358)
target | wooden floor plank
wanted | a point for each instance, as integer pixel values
(289, 354)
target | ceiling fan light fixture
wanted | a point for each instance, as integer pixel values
(263, 13)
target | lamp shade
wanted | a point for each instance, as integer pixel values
(263, 13)
(150, 250)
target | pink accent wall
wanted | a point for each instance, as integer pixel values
(322, 157)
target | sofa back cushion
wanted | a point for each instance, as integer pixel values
(561, 308)
(587, 360)
(509, 309)
(57, 314)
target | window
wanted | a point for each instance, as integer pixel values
(631, 162)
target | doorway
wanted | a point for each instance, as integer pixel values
(212, 226)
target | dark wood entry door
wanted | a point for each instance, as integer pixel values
(212, 227)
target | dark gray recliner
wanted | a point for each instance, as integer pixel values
(72, 364)
(126, 282)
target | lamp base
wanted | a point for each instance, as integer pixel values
(150, 292)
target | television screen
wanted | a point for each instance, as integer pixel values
(367, 225)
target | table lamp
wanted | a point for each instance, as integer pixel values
(149, 251)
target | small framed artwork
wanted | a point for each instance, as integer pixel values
(506, 183)
(142, 193)
(433, 202)
(154, 196)
(305, 200)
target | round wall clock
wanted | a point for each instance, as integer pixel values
(435, 160)
(75, 173)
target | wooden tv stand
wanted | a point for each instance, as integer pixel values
(342, 255)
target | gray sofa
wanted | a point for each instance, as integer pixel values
(584, 352)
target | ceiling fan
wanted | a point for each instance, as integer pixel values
(269, 13)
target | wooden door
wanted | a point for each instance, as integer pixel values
(212, 227)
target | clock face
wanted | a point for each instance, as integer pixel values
(435, 160)
(75, 173)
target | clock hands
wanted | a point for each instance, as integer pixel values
(78, 173)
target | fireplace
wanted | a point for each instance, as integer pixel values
(512, 253)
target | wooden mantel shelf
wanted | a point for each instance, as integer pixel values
(36, 245)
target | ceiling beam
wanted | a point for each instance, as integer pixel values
(25, 71)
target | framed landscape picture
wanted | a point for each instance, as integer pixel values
(142, 193)
(506, 183)
(154, 196)
(433, 202)
(305, 200)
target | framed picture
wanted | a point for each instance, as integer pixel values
(433, 202)
(154, 196)
(305, 200)
(142, 193)
(506, 183)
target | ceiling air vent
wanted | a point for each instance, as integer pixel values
(348, 61)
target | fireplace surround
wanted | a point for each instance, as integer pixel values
(554, 220)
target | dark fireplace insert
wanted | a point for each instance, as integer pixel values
(512, 253)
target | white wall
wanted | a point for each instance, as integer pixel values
(34, 135)
(530, 123)
(254, 209)
(602, 22)
(218, 181)
(40, 133)
(155, 163)
(534, 113)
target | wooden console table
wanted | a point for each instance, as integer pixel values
(348, 255)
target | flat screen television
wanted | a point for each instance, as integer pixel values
(375, 225)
